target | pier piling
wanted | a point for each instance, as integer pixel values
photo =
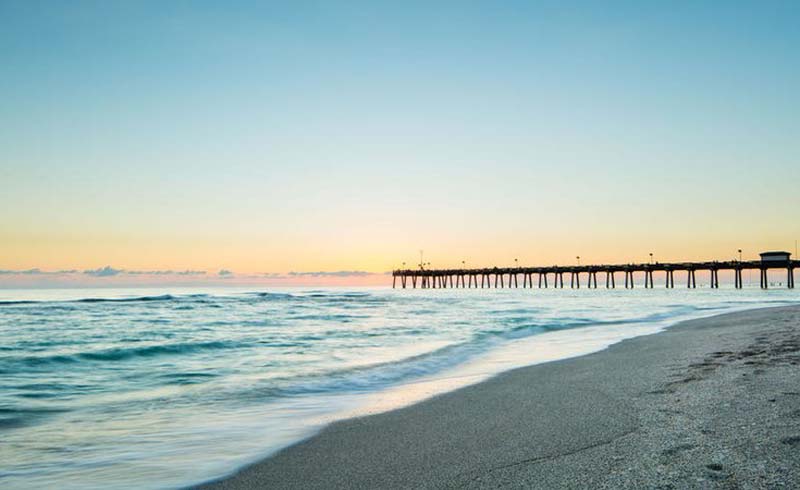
(468, 278)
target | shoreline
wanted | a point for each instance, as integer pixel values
(484, 435)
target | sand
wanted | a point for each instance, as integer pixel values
(711, 403)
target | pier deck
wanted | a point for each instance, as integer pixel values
(509, 276)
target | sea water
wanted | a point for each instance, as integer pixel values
(165, 388)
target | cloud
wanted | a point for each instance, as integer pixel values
(332, 274)
(109, 271)
(106, 271)
(166, 273)
(32, 272)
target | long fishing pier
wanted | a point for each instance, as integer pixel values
(502, 277)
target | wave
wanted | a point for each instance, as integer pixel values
(122, 353)
(187, 378)
(383, 374)
(14, 303)
(266, 295)
(193, 298)
(363, 378)
(210, 300)
(11, 418)
(337, 317)
(379, 375)
(163, 297)
(317, 295)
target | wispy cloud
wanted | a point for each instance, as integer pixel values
(33, 272)
(166, 273)
(222, 274)
(106, 271)
(331, 274)
(263, 275)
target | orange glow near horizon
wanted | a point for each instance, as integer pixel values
(250, 264)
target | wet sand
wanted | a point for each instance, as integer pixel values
(711, 403)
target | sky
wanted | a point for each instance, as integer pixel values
(279, 140)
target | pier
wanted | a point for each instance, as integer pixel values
(554, 276)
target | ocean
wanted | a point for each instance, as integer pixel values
(153, 389)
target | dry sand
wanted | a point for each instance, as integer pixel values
(712, 403)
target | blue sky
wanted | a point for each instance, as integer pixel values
(347, 135)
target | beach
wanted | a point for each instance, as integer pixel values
(399, 245)
(708, 403)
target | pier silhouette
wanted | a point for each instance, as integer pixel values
(502, 277)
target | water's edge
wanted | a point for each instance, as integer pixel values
(366, 412)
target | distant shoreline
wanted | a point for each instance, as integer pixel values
(712, 401)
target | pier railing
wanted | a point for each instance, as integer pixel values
(510, 276)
